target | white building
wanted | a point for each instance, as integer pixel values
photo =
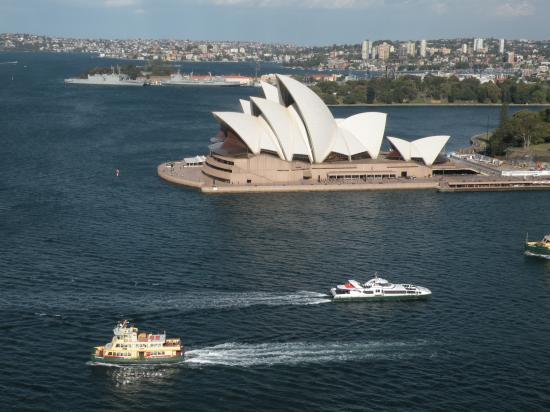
(423, 47)
(365, 50)
(501, 47)
(411, 48)
(478, 45)
(291, 136)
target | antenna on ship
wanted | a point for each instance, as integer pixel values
(256, 70)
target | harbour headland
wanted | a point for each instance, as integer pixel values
(289, 141)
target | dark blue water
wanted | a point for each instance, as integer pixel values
(242, 279)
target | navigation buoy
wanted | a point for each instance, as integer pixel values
(117, 172)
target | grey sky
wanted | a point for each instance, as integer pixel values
(296, 21)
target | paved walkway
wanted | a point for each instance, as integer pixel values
(177, 173)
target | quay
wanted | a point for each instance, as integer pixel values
(179, 173)
(490, 184)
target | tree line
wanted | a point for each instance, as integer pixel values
(152, 68)
(432, 89)
(523, 129)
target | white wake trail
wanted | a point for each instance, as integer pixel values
(219, 300)
(292, 353)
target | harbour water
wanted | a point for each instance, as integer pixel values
(243, 279)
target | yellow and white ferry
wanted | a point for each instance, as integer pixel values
(131, 347)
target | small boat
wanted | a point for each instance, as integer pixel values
(541, 248)
(129, 346)
(378, 289)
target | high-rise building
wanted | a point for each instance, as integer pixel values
(464, 48)
(423, 47)
(383, 51)
(411, 48)
(365, 50)
(501, 48)
(478, 45)
(403, 51)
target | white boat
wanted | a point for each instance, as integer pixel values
(378, 289)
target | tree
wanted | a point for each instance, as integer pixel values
(504, 116)
(371, 94)
(493, 92)
(330, 99)
(527, 126)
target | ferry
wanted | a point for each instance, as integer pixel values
(129, 346)
(378, 289)
(541, 248)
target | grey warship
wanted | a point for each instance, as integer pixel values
(111, 79)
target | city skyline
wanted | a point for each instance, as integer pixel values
(313, 22)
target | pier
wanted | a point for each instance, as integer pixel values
(490, 184)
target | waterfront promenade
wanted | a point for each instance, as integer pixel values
(179, 174)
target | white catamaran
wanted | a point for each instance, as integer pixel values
(378, 289)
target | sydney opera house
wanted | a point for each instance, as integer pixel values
(290, 137)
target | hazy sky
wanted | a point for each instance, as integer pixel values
(308, 22)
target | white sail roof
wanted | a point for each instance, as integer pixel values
(430, 147)
(368, 128)
(285, 126)
(253, 131)
(427, 148)
(292, 120)
(245, 104)
(270, 92)
(317, 118)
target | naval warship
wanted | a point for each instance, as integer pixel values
(111, 79)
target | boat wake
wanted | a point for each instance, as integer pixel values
(122, 375)
(186, 302)
(294, 353)
(243, 300)
(537, 255)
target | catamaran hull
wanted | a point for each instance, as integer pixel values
(119, 361)
(379, 298)
(537, 251)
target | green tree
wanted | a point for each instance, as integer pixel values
(528, 128)
(371, 94)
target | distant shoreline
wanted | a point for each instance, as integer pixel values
(440, 104)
